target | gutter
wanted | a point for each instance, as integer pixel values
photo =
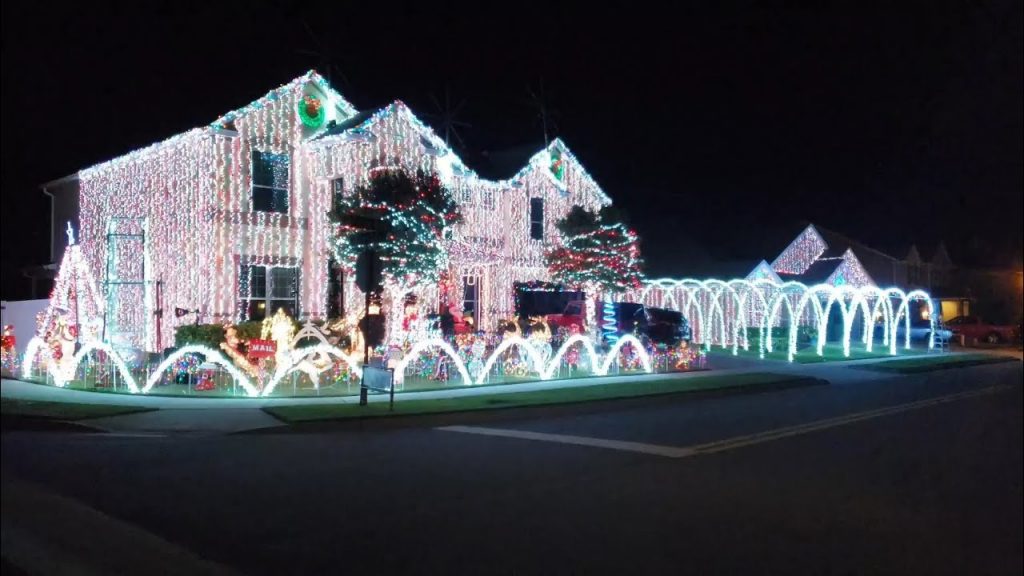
(52, 200)
(45, 189)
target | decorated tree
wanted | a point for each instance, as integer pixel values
(599, 254)
(402, 218)
(598, 251)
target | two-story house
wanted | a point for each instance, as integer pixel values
(232, 219)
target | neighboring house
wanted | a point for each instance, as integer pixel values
(231, 219)
(819, 255)
(816, 257)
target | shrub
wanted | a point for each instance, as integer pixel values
(209, 335)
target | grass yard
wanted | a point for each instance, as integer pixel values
(62, 410)
(833, 352)
(653, 386)
(300, 386)
(932, 363)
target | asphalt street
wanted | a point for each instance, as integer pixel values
(796, 485)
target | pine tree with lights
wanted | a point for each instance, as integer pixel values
(599, 252)
(409, 214)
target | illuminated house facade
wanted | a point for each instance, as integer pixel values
(231, 219)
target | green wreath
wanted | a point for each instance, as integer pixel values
(311, 111)
(557, 165)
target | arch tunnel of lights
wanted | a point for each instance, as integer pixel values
(724, 312)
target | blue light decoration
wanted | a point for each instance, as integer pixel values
(609, 322)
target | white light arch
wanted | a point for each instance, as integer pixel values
(211, 355)
(513, 341)
(298, 354)
(445, 347)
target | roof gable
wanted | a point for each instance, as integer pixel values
(335, 99)
(364, 127)
(913, 256)
(941, 257)
(850, 272)
(801, 252)
(763, 271)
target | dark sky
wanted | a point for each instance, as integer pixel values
(711, 126)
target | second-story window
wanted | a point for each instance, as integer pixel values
(270, 182)
(537, 218)
(337, 194)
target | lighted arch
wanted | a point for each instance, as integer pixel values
(645, 360)
(31, 351)
(588, 346)
(298, 354)
(769, 322)
(445, 347)
(211, 355)
(811, 295)
(94, 345)
(904, 311)
(506, 344)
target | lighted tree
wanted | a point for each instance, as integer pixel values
(408, 215)
(598, 252)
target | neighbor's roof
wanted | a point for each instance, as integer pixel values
(818, 272)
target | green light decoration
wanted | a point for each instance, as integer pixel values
(599, 251)
(557, 165)
(408, 216)
(311, 111)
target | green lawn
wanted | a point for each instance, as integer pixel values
(62, 410)
(302, 387)
(653, 386)
(833, 352)
(932, 363)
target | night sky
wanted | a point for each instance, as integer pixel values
(713, 128)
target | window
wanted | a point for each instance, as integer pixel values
(487, 199)
(265, 289)
(335, 290)
(269, 182)
(537, 218)
(471, 297)
(337, 194)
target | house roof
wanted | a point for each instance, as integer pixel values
(355, 121)
(309, 77)
(364, 122)
(879, 265)
(818, 272)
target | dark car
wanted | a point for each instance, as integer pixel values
(666, 326)
(659, 325)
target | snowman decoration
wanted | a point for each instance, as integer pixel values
(476, 364)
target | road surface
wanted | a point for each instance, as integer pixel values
(907, 475)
